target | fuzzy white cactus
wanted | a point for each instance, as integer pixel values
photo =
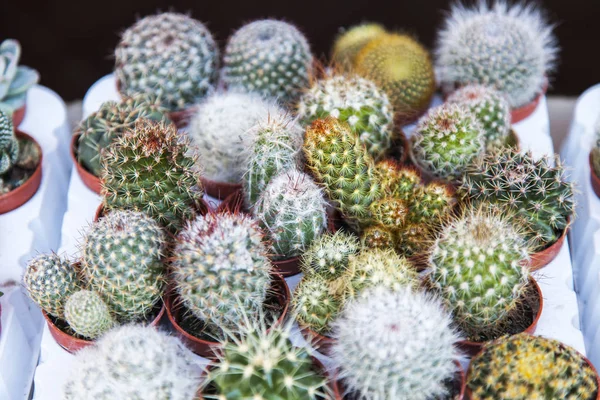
(87, 314)
(330, 254)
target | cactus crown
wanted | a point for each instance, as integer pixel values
(394, 345)
(9, 145)
(329, 255)
(349, 43)
(523, 367)
(87, 314)
(268, 57)
(315, 304)
(509, 47)
(168, 56)
(15, 79)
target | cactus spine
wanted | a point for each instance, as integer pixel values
(9, 145)
(349, 43)
(330, 254)
(315, 303)
(15, 79)
(87, 314)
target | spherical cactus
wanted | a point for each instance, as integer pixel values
(350, 42)
(491, 108)
(220, 132)
(524, 367)
(169, 56)
(536, 191)
(102, 127)
(276, 147)
(268, 57)
(431, 203)
(87, 314)
(377, 237)
(478, 266)
(354, 100)
(148, 169)
(342, 165)
(511, 48)
(400, 66)
(315, 304)
(292, 211)
(389, 212)
(415, 239)
(9, 145)
(121, 261)
(394, 345)
(49, 281)
(446, 140)
(134, 362)
(329, 255)
(220, 270)
(397, 180)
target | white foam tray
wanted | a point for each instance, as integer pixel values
(559, 319)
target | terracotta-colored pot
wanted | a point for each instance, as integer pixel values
(544, 257)
(321, 343)
(19, 115)
(182, 118)
(90, 180)
(99, 212)
(593, 177)
(219, 190)
(519, 114)
(288, 267)
(207, 348)
(332, 382)
(233, 203)
(16, 198)
(471, 348)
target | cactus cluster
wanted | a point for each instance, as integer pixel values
(9, 145)
(170, 57)
(523, 367)
(134, 362)
(268, 57)
(350, 42)
(15, 79)
(509, 47)
(87, 314)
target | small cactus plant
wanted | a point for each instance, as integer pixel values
(350, 42)
(431, 203)
(415, 239)
(87, 314)
(134, 362)
(354, 100)
(509, 47)
(394, 345)
(15, 79)
(524, 367)
(377, 237)
(330, 254)
(102, 127)
(170, 57)
(446, 141)
(292, 211)
(268, 57)
(148, 169)
(389, 212)
(9, 145)
(121, 261)
(315, 304)
(397, 180)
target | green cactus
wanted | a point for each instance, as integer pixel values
(9, 145)
(121, 261)
(49, 281)
(148, 169)
(377, 237)
(315, 304)
(431, 203)
(87, 314)
(350, 42)
(397, 180)
(389, 212)
(446, 141)
(354, 100)
(415, 239)
(15, 79)
(102, 127)
(329, 255)
(536, 191)
(170, 57)
(524, 367)
(268, 57)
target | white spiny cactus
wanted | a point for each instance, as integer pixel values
(87, 314)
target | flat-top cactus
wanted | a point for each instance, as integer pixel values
(350, 42)
(536, 191)
(15, 79)
(220, 269)
(394, 345)
(524, 367)
(315, 304)
(268, 57)
(9, 145)
(354, 100)
(329, 255)
(509, 47)
(447, 140)
(121, 261)
(87, 314)
(168, 56)
(147, 169)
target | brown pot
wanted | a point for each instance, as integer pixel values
(182, 118)
(19, 115)
(90, 180)
(16, 198)
(206, 348)
(321, 343)
(593, 177)
(544, 257)
(519, 114)
(332, 382)
(288, 267)
(219, 190)
(471, 348)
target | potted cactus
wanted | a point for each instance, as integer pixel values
(594, 160)
(15, 80)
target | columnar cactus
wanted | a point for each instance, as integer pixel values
(134, 362)
(121, 261)
(354, 100)
(400, 66)
(220, 269)
(168, 56)
(394, 345)
(50, 280)
(87, 314)
(102, 127)
(292, 211)
(350, 42)
(537, 191)
(148, 169)
(220, 132)
(491, 108)
(509, 47)
(268, 57)
(315, 304)
(478, 266)
(9, 145)
(524, 367)
(446, 141)
(329, 255)
(15, 79)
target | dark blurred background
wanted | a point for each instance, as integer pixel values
(71, 41)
